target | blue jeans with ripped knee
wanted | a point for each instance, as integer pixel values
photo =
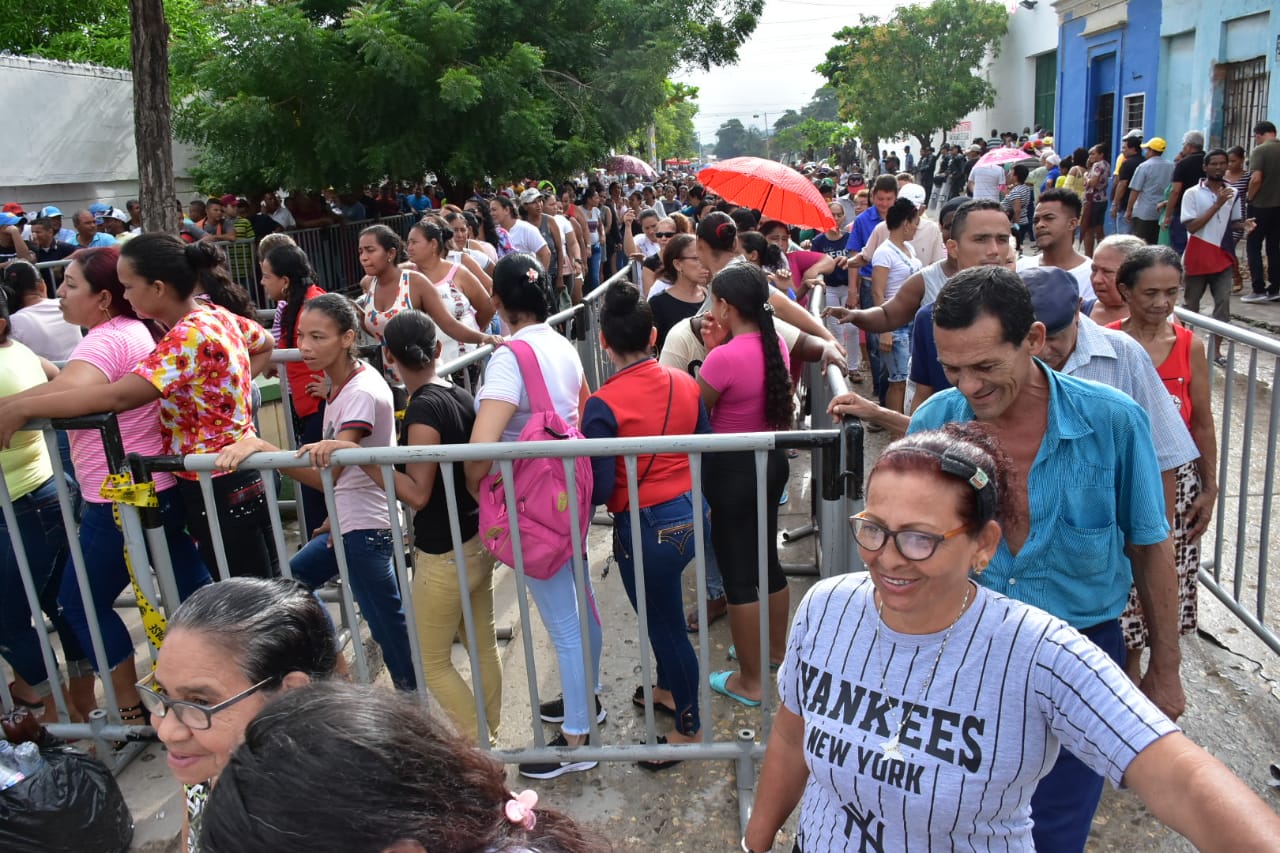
(666, 540)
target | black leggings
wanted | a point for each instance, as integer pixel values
(245, 522)
(729, 483)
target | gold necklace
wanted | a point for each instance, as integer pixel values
(892, 748)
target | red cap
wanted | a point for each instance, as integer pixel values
(229, 200)
(14, 208)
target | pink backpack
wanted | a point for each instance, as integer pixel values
(541, 488)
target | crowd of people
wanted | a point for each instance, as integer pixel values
(1055, 529)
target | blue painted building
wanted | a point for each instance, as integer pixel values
(1217, 61)
(1108, 71)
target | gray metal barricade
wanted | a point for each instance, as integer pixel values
(1241, 528)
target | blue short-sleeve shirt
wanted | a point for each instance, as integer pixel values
(1093, 488)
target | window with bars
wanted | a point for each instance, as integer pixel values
(1246, 86)
(1135, 113)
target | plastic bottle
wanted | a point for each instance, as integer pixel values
(10, 775)
(29, 760)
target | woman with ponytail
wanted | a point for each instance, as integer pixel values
(201, 372)
(406, 785)
(746, 387)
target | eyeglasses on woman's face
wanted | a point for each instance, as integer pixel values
(915, 545)
(190, 714)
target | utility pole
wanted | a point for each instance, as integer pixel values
(767, 154)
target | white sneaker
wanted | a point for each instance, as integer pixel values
(1254, 297)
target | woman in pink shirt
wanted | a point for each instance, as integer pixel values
(746, 387)
(92, 298)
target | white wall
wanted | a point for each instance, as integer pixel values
(69, 136)
(1032, 32)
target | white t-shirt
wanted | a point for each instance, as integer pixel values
(684, 350)
(1198, 200)
(986, 181)
(363, 402)
(647, 246)
(561, 371)
(42, 329)
(901, 265)
(526, 237)
(1081, 273)
(1012, 685)
(660, 285)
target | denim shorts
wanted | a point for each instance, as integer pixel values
(898, 363)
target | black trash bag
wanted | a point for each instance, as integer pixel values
(71, 805)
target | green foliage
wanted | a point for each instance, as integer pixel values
(318, 92)
(735, 140)
(916, 73)
(94, 31)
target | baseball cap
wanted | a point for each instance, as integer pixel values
(14, 208)
(1052, 159)
(117, 214)
(7, 219)
(827, 184)
(914, 192)
(229, 200)
(1156, 144)
(531, 195)
(50, 210)
(1055, 296)
(1134, 134)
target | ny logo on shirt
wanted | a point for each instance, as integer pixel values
(870, 829)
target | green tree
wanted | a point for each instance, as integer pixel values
(823, 106)
(916, 73)
(314, 92)
(735, 140)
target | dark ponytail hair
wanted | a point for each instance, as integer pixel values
(184, 266)
(435, 230)
(486, 228)
(901, 212)
(717, 230)
(405, 777)
(410, 336)
(522, 285)
(770, 255)
(22, 278)
(745, 287)
(98, 266)
(388, 240)
(626, 320)
(291, 262)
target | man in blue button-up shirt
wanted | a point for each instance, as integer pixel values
(1092, 517)
(884, 192)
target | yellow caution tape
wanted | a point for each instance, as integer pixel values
(119, 489)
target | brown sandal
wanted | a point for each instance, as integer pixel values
(716, 609)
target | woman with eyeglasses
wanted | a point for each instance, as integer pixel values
(652, 267)
(682, 288)
(229, 649)
(919, 709)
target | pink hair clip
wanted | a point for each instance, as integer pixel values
(532, 275)
(519, 809)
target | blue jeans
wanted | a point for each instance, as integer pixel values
(593, 267)
(1064, 801)
(667, 543)
(374, 587)
(103, 548)
(44, 541)
(875, 362)
(557, 602)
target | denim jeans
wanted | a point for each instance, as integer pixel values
(557, 602)
(593, 268)
(874, 362)
(667, 544)
(374, 587)
(1064, 801)
(103, 548)
(44, 542)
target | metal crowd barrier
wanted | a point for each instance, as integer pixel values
(1243, 516)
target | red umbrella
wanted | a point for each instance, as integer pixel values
(777, 191)
(1003, 156)
(626, 164)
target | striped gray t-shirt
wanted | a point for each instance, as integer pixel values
(1012, 685)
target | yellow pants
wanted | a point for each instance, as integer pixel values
(438, 611)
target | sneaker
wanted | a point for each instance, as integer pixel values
(552, 769)
(1273, 297)
(552, 711)
(1255, 297)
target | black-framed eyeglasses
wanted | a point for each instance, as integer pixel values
(688, 258)
(193, 716)
(664, 235)
(915, 545)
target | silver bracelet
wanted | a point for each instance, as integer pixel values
(746, 849)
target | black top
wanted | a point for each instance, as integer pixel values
(1127, 168)
(450, 411)
(669, 310)
(1189, 170)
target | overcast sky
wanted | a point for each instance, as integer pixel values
(775, 66)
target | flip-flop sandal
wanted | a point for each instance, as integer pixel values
(733, 655)
(720, 684)
(716, 610)
(637, 699)
(655, 766)
(19, 702)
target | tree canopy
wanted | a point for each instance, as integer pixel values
(315, 92)
(733, 139)
(916, 73)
